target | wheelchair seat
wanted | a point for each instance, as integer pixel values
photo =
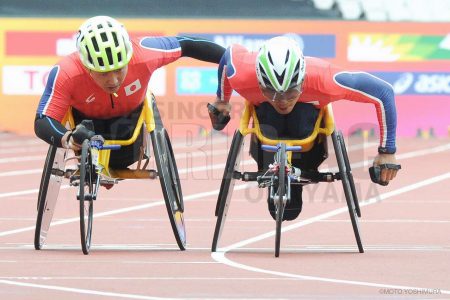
(324, 126)
(314, 147)
(145, 123)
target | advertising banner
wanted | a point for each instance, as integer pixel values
(413, 57)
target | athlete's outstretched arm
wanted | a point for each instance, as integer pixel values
(224, 89)
(364, 87)
(200, 49)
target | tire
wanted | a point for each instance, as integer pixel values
(281, 191)
(337, 143)
(349, 173)
(170, 183)
(85, 196)
(50, 185)
(227, 186)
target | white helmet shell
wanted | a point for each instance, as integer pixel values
(280, 64)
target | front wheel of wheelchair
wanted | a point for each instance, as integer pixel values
(85, 196)
(170, 183)
(227, 186)
(281, 191)
(52, 176)
(347, 186)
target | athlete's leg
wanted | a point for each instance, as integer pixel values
(301, 125)
(273, 126)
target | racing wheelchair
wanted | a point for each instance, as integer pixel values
(93, 170)
(280, 174)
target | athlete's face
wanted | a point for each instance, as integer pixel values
(111, 81)
(282, 102)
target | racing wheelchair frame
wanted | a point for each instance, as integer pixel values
(93, 170)
(281, 174)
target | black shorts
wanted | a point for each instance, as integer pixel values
(119, 128)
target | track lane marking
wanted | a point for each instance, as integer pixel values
(220, 254)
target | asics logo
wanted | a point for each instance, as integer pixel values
(90, 99)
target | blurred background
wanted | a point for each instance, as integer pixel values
(405, 42)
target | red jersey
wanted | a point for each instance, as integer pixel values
(324, 83)
(70, 85)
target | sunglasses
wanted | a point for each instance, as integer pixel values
(290, 95)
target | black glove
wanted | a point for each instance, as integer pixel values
(218, 119)
(375, 172)
(84, 130)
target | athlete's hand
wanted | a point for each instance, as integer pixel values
(222, 106)
(219, 112)
(83, 131)
(384, 169)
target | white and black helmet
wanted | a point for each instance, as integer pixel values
(280, 64)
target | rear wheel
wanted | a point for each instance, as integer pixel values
(337, 143)
(50, 185)
(170, 183)
(350, 174)
(227, 186)
(85, 196)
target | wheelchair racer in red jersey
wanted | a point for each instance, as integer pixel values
(106, 81)
(287, 89)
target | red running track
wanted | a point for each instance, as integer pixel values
(134, 255)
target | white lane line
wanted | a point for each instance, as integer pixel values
(26, 192)
(341, 248)
(182, 171)
(422, 152)
(204, 154)
(124, 210)
(79, 291)
(32, 150)
(21, 172)
(217, 256)
(220, 255)
(137, 296)
(390, 221)
(20, 193)
(290, 248)
(411, 154)
(43, 147)
(177, 156)
(138, 278)
(22, 143)
(338, 211)
(8, 160)
(353, 248)
(175, 142)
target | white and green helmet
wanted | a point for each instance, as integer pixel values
(103, 44)
(280, 64)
